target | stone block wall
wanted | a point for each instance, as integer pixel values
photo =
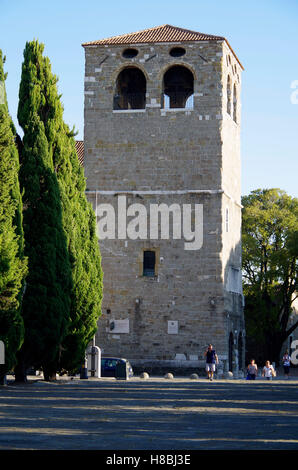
(171, 156)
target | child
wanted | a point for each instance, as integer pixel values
(268, 371)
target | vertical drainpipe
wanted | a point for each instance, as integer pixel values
(93, 351)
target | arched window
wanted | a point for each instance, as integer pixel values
(130, 90)
(235, 103)
(229, 95)
(178, 87)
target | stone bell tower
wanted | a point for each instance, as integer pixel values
(162, 162)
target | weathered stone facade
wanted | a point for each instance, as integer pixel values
(155, 155)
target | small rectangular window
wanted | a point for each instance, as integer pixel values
(227, 220)
(149, 263)
(234, 280)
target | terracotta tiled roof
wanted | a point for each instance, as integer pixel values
(80, 151)
(164, 33)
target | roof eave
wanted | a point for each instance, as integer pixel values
(94, 44)
(233, 52)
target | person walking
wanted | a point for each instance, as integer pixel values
(268, 371)
(286, 360)
(252, 370)
(211, 361)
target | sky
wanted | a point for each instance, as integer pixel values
(263, 34)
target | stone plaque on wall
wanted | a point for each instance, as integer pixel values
(119, 326)
(172, 327)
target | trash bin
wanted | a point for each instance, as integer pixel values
(122, 370)
(84, 373)
(84, 370)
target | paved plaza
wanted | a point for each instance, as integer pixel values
(159, 414)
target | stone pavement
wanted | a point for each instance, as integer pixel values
(154, 414)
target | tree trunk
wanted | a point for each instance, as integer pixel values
(273, 347)
(20, 372)
(49, 374)
(2, 375)
(3, 379)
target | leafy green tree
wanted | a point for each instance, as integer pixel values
(78, 220)
(13, 264)
(270, 268)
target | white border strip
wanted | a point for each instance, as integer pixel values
(164, 193)
(190, 191)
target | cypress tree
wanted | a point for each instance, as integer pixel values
(46, 302)
(77, 215)
(13, 264)
(80, 229)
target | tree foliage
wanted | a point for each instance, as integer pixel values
(13, 264)
(41, 103)
(270, 267)
(46, 301)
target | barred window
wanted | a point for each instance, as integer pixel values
(149, 263)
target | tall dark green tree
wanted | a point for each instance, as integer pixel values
(47, 298)
(80, 228)
(270, 269)
(78, 220)
(13, 264)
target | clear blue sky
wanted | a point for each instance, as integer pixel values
(264, 35)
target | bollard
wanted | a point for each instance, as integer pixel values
(93, 364)
(3, 380)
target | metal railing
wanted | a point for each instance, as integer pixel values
(177, 100)
(130, 101)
